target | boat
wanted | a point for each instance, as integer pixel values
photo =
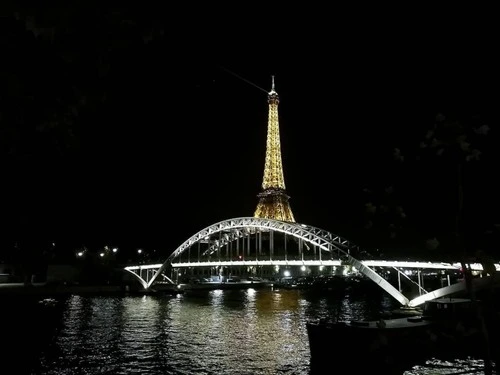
(229, 283)
(328, 284)
(50, 302)
(446, 327)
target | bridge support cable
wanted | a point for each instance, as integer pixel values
(408, 278)
(379, 280)
(234, 236)
(168, 279)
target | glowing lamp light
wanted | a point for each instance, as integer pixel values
(286, 273)
(101, 254)
(303, 268)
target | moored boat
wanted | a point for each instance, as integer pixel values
(446, 326)
(254, 283)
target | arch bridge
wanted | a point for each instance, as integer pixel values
(250, 242)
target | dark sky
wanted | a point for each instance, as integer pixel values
(120, 125)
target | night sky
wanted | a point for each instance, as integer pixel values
(119, 126)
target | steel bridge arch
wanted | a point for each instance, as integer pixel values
(315, 236)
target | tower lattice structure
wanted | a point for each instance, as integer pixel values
(273, 200)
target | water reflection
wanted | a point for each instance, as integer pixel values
(214, 332)
(434, 366)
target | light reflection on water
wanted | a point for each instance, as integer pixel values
(459, 366)
(211, 332)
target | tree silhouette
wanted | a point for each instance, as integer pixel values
(453, 145)
(420, 199)
(65, 92)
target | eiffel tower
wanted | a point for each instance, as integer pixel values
(273, 200)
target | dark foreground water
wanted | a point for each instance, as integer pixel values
(211, 332)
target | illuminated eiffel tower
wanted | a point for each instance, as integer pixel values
(273, 200)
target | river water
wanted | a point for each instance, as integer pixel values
(219, 332)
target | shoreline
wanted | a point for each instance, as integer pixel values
(47, 290)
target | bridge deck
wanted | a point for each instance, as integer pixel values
(367, 263)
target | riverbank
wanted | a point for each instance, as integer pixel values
(49, 290)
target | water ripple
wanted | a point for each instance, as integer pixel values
(247, 332)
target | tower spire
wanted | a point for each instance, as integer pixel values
(273, 200)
